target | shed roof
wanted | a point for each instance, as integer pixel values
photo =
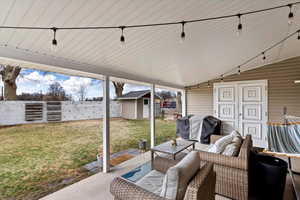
(136, 95)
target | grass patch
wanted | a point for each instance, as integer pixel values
(38, 159)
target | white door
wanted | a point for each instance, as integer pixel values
(146, 105)
(226, 107)
(243, 106)
(253, 114)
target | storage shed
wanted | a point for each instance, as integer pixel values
(136, 105)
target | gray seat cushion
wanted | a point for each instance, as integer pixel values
(152, 182)
(178, 176)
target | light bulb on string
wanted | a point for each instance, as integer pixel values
(122, 38)
(298, 35)
(208, 84)
(222, 78)
(182, 35)
(264, 56)
(239, 70)
(240, 26)
(54, 41)
(291, 15)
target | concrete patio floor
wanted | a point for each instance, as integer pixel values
(96, 187)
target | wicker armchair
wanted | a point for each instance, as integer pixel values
(232, 172)
(202, 186)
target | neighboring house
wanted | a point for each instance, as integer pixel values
(136, 105)
(169, 102)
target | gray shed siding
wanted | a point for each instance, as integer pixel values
(140, 108)
(282, 91)
(128, 109)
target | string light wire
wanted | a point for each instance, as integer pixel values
(263, 53)
(122, 38)
(155, 24)
(291, 14)
(182, 31)
(240, 26)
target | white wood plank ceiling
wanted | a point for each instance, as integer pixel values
(152, 54)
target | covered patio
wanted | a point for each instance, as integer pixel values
(98, 186)
(193, 47)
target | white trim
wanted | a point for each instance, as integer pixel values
(106, 126)
(152, 115)
(184, 102)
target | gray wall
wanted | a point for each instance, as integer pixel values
(13, 112)
(282, 91)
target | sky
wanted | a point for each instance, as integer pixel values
(34, 81)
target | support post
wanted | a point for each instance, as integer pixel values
(152, 115)
(184, 103)
(106, 125)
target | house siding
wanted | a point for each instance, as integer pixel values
(282, 91)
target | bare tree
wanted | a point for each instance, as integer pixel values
(56, 93)
(9, 75)
(82, 92)
(119, 87)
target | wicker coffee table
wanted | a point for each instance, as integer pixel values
(167, 148)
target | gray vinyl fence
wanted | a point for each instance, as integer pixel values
(24, 112)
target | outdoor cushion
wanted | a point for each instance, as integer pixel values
(152, 182)
(178, 176)
(237, 138)
(233, 148)
(220, 144)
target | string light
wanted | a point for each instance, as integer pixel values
(240, 26)
(264, 56)
(122, 38)
(222, 78)
(263, 53)
(291, 15)
(182, 31)
(208, 84)
(239, 70)
(199, 20)
(54, 41)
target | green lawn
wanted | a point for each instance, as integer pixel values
(38, 159)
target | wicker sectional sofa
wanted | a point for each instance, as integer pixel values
(219, 174)
(232, 172)
(200, 187)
